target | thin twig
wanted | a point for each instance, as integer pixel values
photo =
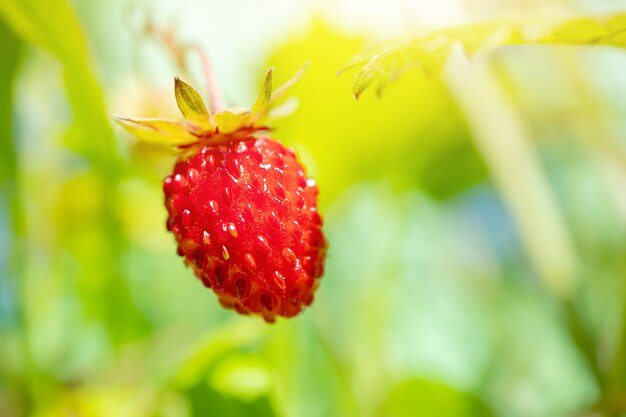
(178, 52)
(216, 100)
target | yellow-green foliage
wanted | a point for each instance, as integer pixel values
(433, 302)
(406, 137)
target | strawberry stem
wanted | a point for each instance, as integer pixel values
(216, 101)
(178, 51)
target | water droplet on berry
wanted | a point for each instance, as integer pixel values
(225, 253)
(263, 244)
(310, 182)
(186, 218)
(289, 255)
(250, 262)
(279, 280)
(212, 160)
(215, 208)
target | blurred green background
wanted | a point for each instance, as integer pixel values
(467, 276)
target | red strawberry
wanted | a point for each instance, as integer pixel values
(242, 209)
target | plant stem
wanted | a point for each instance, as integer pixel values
(505, 143)
(17, 320)
(216, 100)
(178, 51)
(583, 341)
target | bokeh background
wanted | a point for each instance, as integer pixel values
(467, 276)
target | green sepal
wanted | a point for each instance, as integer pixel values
(232, 119)
(284, 110)
(280, 91)
(190, 103)
(261, 104)
(200, 127)
(164, 132)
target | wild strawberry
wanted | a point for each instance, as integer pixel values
(240, 205)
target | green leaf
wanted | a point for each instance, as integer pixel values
(430, 398)
(429, 53)
(202, 356)
(578, 31)
(357, 60)
(52, 26)
(262, 102)
(10, 60)
(190, 103)
(244, 376)
(169, 133)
